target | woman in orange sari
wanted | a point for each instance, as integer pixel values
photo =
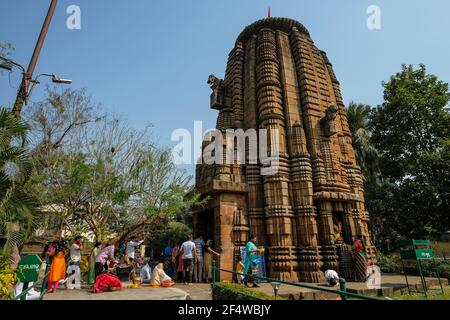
(57, 268)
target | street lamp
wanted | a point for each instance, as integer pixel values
(55, 79)
(276, 287)
(9, 64)
(6, 65)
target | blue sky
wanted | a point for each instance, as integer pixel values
(149, 60)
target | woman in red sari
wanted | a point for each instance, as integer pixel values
(361, 266)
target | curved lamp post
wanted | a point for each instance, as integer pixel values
(9, 64)
(276, 287)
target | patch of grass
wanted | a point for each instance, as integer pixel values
(432, 295)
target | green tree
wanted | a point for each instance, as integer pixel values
(98, 175)
(366, 153)
(18, 209)
(163, 192)
(174, 231)
(6, 49)
(411, 131)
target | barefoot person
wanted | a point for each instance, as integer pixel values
(240, 269)
(102, 259)
(209, 257)
(95, 251)
(131, 248)
(360, 260)
(251, 254)
(146, 273)
(331, 278)
(198, 264)
(160, 278)
(58, 266)
(189, 252)
(74, 279)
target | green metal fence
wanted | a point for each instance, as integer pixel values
(23, 294)
(342, 285)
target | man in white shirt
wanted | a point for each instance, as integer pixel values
(198, 263)
(131, 247)
(74, 265)
(189, 253)
(332, 278)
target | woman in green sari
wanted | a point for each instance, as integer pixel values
(251, 254)
(94, 253)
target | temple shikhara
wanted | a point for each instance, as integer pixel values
(309, 212)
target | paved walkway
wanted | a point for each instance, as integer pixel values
(197, 291)
(144, 293)
(390, 283)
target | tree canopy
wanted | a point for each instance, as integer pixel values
(407, 187)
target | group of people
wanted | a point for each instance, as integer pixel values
(65, 265)
(190, 261)
(245, 270)
(360, 262)
(101, 259)
(69, 272)
(360, 258)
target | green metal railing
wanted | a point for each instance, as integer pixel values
(342, 284)
(23, 294)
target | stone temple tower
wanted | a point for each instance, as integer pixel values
(276, 78)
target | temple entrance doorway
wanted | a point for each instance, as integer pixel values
(204, 224)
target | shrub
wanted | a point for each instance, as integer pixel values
(392, 264)
(235, 292)
(443, 268)
(7, 279)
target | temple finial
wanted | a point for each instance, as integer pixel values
(268, 13)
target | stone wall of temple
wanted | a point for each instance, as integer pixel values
(277, 79)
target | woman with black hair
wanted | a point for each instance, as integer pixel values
(359, 259)
(251, 254)
(58, 266)
(95, 251)
(102, 259)
(208, 259)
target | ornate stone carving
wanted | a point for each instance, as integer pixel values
(214, 82)
(328, 123)
(220, 98)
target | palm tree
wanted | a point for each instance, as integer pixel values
(366, 154)
(18, 209)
